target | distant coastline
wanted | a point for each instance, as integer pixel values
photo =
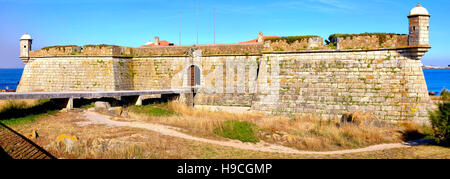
(435, 67)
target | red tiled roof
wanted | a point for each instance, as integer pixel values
(161, 43)
(255, 40)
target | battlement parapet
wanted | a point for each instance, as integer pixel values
(208, 50)
(56, 51)
(113, 50)
(100, 50)
(153, 51)
(294, 43)
(364, 41)
(367, 41)
(231, 49)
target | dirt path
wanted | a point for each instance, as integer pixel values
(97, 118)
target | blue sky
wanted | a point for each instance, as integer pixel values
(134, 22)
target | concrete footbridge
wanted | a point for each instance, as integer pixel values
(132, 96)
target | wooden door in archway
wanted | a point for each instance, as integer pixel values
(194, 76)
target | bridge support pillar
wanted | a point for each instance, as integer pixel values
(138, 101)
(69, 105)
(132, 100)
(66, 103)
(186, 98)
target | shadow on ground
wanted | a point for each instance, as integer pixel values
(18, 110)
(77, 103)
(4, 155)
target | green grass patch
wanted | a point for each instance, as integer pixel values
(19, 112)
(30, 118)
(240, 130)
(87, 106)
(153, 110)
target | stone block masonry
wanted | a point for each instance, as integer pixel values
(369, 41)
(378, 73)
(384, 82)
(57, 74)
(301, 43)
(168, 51)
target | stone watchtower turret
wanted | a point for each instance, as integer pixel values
(419, 26)
(156, 41)
(260, 38)
(25, 47)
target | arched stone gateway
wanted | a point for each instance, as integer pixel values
(193, 73)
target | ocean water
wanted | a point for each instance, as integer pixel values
(10, 78)
(436, 79)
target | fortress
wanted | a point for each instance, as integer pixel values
(378, 73)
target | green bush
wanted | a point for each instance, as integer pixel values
(240, 130)
(440, 123)
(445, 95)
(332, 45)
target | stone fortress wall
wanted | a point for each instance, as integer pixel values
(372, 72)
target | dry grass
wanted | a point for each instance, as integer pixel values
(436, 98)
(26, 102)
(412, 131)
(198, 122)
(100, 141)
(305, 132)
(312, 133)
